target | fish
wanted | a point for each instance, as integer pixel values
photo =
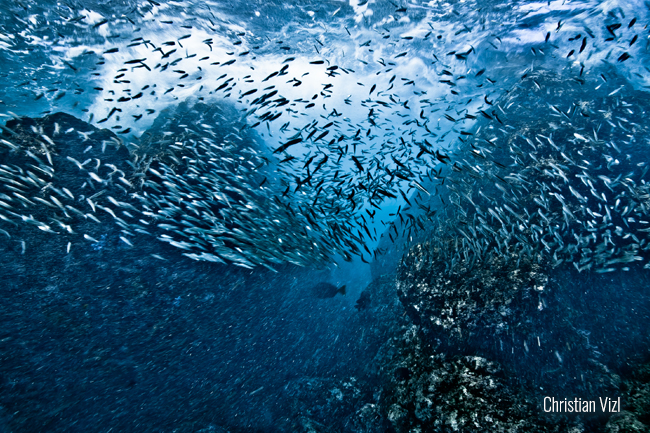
(339, 171)
(286, 145)
(325, 290)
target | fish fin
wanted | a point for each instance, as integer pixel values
(341, 290)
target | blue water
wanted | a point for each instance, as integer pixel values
(379, 98)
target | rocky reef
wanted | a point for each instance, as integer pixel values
(514, 298)
(512, 335)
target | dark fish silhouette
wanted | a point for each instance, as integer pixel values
(327, 290)
(363, 302)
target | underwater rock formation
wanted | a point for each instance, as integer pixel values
(537, 258)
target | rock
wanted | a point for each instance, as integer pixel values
(446, 393)
(504, 312)
(625, 422)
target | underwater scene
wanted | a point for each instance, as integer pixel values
(325, 216)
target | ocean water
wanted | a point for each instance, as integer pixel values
(186, 187)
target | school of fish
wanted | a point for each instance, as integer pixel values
(386, 160)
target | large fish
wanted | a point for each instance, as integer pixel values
(327, 290)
